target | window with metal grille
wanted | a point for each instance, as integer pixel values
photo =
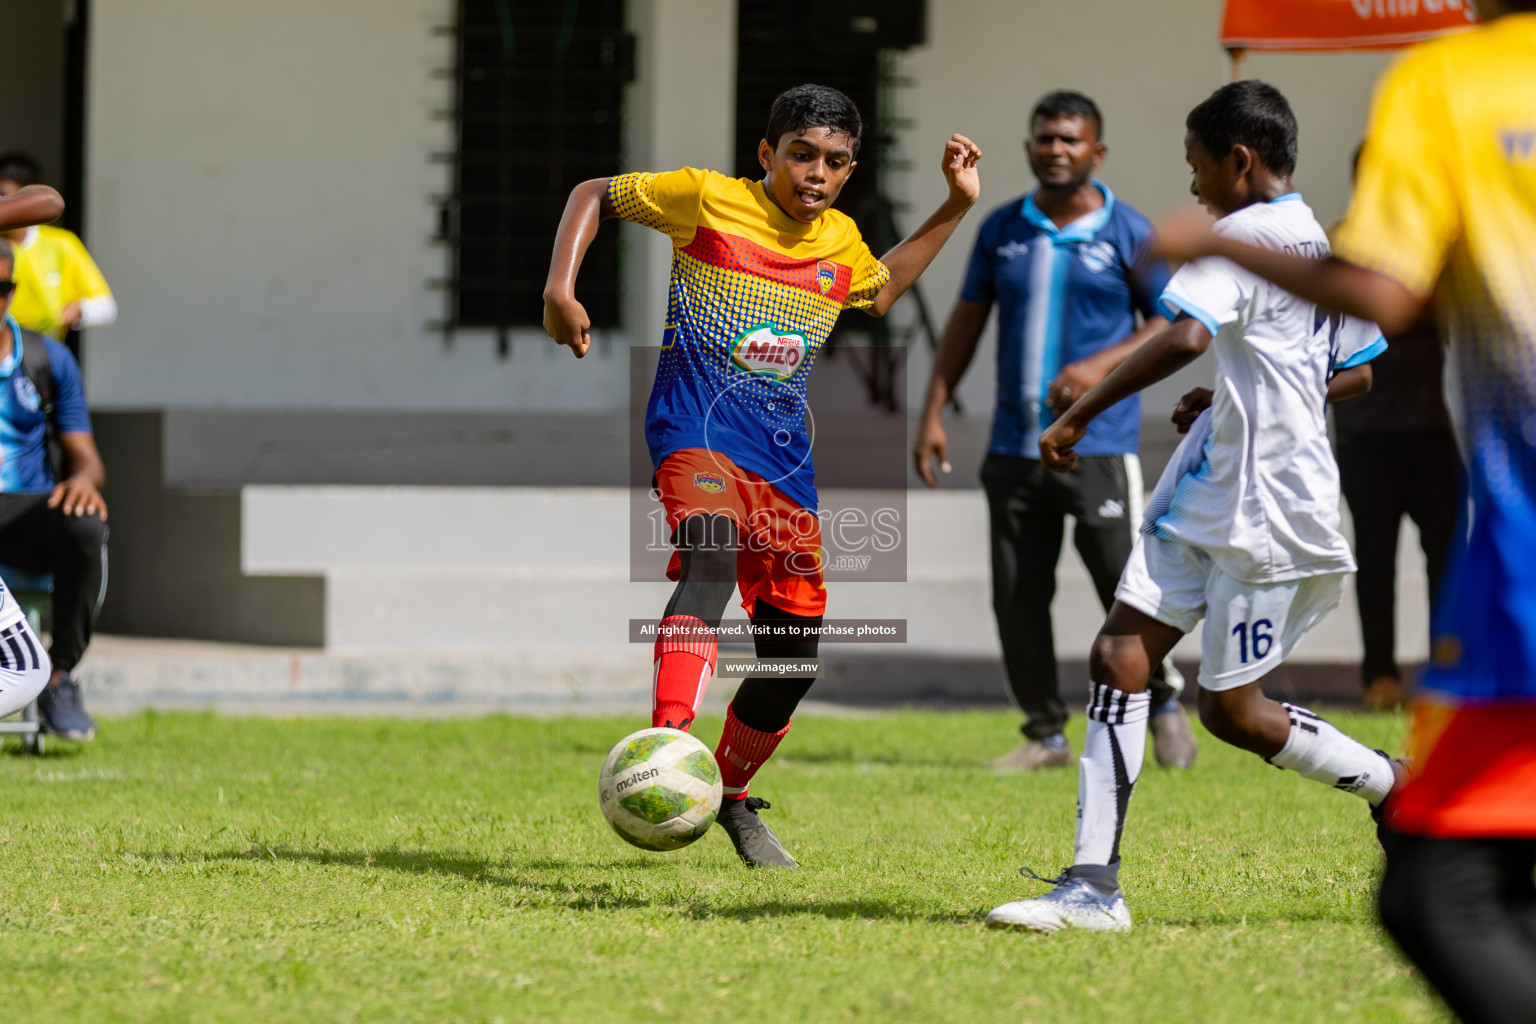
(539, 109)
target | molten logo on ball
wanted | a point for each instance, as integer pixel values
(660, 789)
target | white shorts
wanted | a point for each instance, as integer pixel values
(24, 666)
(1249, 627)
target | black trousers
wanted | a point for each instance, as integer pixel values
(1385, 477)
(1464, 910)
(36, 538)
(1028, 506)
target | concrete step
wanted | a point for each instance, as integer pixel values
(513, 569)
(123, 675)
(544, 532)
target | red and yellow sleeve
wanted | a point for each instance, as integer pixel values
(869, 276)
(1405, 216)
(668, 202)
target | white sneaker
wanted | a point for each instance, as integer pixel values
(1072, 904)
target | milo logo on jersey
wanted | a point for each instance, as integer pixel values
(769, 352)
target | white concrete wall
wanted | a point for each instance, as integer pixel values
(260, 201)
(260, 179)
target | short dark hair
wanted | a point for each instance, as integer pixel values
(814, 106)
(1248, 113)
(22, 168)
(1066, 103)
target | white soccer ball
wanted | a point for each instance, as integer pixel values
(660, 789)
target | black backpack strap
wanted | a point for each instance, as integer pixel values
(39, 370)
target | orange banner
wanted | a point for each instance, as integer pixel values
(1341, 24)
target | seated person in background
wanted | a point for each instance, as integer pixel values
(58, 286)
(51, 524)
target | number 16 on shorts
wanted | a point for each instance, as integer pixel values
(1251, 627)
(1257, 638)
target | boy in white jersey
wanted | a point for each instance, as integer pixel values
(1243, 529)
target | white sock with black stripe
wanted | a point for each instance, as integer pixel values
(1113, 751)
(1317, 751)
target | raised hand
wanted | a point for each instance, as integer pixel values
(960, 158)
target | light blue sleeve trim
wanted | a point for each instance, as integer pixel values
(1365, 355)
(1172, 305)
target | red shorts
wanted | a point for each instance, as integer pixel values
(780, 556)
(1473, 773)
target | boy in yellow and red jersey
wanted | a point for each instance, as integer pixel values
(760, 272)
(1446, 204)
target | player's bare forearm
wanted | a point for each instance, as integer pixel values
(956, 350)
(82, 457)
(912, 255)
(957, 347)
(1331, 283)
(907, 261)
(586, 208)
(35, 204)
(1109, 358)
(1076, 379)
(1350, 383)
(565, 319)
(1169, 350)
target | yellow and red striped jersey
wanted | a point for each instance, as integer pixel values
(752, 297)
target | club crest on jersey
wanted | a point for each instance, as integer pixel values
(1097, 256)
(769, 352)
(709, 483)
(826, 275)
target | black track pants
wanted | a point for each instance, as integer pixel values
(1385, 477)
(36, 538)
(1028, 506)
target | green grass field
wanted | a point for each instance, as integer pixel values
(194, 868)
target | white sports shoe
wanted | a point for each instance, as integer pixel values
(1072, 904)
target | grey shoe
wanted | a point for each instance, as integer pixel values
(755, 842)
(1033, 754)
(62, 710)
(1173, 739)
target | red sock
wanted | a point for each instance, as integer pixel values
(741, 753)
(685, 661)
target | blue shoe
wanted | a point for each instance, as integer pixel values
(1072, 904)
(62, 710)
